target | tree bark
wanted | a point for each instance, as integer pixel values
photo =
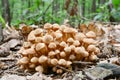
(93, 6)
(83, 7)
(6, 11)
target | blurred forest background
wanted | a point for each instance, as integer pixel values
(56, 11)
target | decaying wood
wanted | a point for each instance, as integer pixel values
(83, 63)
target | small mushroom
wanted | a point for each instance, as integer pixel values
(91, 34)
(54, 62)
(39, 69)
(42, 59)
(47, 39)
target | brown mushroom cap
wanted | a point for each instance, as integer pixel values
(62, 54)
(91, 34)
(81, 51)
(63, 44)
(72, 57)
(93, 57)
(58, 35)
(51, 54)
(67, 49)
(38, 32)
(91, 48)
(79, 36)
(52, 45)
(47, 26)
(97, 50)
(27, 44)
(55, 26)
(34, 60)
(40, 46)
(62, 62)
(47, 39)
(76, 43)
(38, 39)
(42, 59)
(23, 60)
(68, 63)
(89, 41)
(39, 69)
(54, 62)
(70, 40)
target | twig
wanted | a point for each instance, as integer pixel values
(64, 69)
(7, 59)
(82, 62)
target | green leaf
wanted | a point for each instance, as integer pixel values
(116, 3)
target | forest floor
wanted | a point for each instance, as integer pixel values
(106, 68)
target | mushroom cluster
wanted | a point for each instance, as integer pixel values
(57, 45)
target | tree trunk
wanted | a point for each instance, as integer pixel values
(93, 6)
(110, 6)
(6, 11)
(83, 7)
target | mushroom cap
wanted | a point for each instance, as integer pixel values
(31, 65)
(93, 57)
(97, 50)
(91, 48)
(31, 36)
(62, 62)
(72, 47)
(63, 44)
(38, 39)
(30, 51)
(55, 26)
(52, 45)
(47, 26)
(69, 30)
(51, 53)
(27, 44)
(54, 62)
(58, 35)
(68, 63)
(34, 59)
(70, 40)
(76, 43)
(72, 57)
(38, 31)
(62, 27)
(59, 71)
(79, 50)
(91, 34)
(79, 36)
(39, 46)
(89, 41)
(39, 69)
(62, 54)
(42, 59)
(47, 39)
(67, 49)
(23, 60)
